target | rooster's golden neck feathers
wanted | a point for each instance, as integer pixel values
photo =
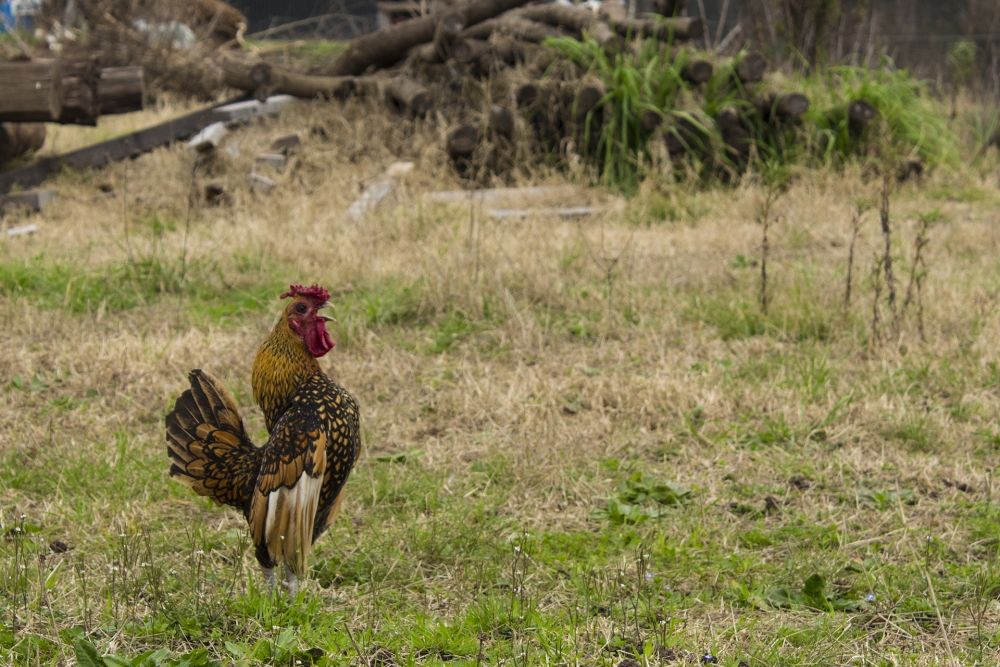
(288, 357)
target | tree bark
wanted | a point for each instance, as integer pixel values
(121, 90)
(384, 47)
(16, 139)
(32, 91)
(408, 96)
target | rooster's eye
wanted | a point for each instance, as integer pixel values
(301, 308)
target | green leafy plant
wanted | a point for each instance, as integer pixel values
(641, 498)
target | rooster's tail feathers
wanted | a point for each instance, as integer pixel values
(207, 444)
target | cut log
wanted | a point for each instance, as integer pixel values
(728, 118)
(682, 136)
(408, 96)
(121, 90)
(783, 106)
(697, 71)
(16, 139)
(513, 26)
(737, 141)
(462, 141)
(751, 68)
(446, 33)
(650, 119)
(526, 94)
(32, 91)
(387, 46)
(467, 51)
(502, 121)
(580, 98)
(861, 112)
(682, 28)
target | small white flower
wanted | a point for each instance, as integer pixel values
(199, 552)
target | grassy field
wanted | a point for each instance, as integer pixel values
(585, 443)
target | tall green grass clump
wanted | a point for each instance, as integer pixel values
(913, 124)
(646, 79)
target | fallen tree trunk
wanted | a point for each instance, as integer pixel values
(16, 139)
(576, 19)
(513, 26)
(681, 28)
(264, 79)
(121, 90)
(32, 91)
(384, 47)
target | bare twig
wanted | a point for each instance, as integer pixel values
(860, 207)
(765, 222)
(887, 257)
(876, 278)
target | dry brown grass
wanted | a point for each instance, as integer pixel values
(657, 386)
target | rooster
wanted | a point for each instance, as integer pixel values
(291, 488)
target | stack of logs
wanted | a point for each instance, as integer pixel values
(57, 91)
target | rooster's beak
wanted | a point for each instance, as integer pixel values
(325, 318)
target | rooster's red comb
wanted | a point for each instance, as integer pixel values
(314, 291)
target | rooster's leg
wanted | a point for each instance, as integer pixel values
(291, 582)
(269, 577)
